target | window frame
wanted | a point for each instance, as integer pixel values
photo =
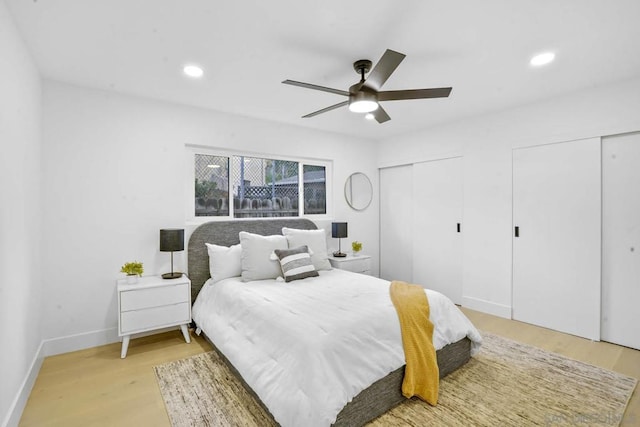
(192, 150)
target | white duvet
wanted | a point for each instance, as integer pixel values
(308, 347)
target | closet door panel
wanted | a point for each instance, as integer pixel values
(621, 240)
(556, 258)
(437, 217)
(396, 230)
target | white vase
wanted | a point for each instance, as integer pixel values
(132, 279)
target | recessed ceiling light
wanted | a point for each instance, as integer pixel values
(542, 59)
(369, 116)
(193, 71)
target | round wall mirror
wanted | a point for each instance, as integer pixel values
(358, 191)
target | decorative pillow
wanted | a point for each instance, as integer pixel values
(296, 263)
(255, 258)
(315, 240)
(224, 262)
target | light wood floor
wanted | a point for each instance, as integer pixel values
(95, 387)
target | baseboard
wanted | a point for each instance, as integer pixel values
(81, 341)
(489, 307)
(20, 401)
(85, 340)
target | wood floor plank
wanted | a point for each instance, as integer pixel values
(94, 387)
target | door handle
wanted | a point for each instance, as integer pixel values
(516, 231)
(458, 227)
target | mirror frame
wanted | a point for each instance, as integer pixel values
(347, 195)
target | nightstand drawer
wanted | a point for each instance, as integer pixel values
(357, 265)
(153, 297)
(153, 318)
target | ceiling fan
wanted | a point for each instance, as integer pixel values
(365, 96)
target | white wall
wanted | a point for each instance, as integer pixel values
(20, 220)
(486, 143)
(115, 174)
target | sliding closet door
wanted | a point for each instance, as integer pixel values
(556, 255)
(396, 231)
(621, 239)
(437, 217)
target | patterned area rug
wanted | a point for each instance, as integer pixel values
(506, 384)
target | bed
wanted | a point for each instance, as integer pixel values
(237, 318)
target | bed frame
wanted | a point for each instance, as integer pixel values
(372, 402)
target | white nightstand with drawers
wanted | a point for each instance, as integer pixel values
(153, 303)
(357, 264)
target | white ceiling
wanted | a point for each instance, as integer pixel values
(247, 47)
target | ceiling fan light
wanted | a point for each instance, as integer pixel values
(363, 106)
(363, 102)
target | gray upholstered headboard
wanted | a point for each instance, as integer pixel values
(225, 233)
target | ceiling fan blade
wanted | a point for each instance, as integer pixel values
(316, 87)
(397, 95)
(380, 115)
(383, 69)
(324, 110)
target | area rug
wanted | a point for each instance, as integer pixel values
(506, 384)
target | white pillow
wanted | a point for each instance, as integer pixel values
(256, 256)
(224, 262)
(315, 240)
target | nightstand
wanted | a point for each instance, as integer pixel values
(357, 264)
(153, 303)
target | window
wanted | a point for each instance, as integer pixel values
(315, 189)
(240, 186)
(264, 187)
(211, 185)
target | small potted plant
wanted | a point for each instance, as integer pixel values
(356, 247)
(133, 270)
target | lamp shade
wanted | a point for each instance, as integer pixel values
(171, 239)
(338, 229)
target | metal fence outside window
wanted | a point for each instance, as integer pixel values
(257, 187)
(211, 185)
(264, 187)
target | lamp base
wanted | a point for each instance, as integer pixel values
(339, 254)
(175, 275)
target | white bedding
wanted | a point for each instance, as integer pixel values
(309, 346)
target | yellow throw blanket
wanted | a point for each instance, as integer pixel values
(421, 375)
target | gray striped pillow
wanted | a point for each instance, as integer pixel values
(296, 263)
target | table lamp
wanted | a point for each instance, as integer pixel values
(171, 240)
(339, 230)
